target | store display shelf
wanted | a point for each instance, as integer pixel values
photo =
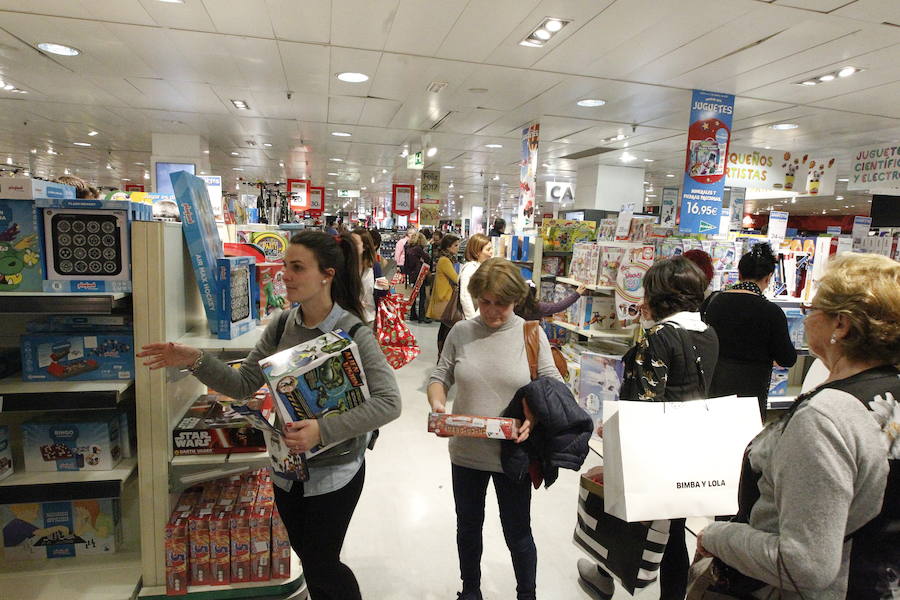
(576, 283)
(98, 577)
(233, 458)
(557, 252)
(785, 302)
(28, 486)
(617, 334)
(18, 395)
(780, 402)
(279, 588)
(205, 340)
(63, 303)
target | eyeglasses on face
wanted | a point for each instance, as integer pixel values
(808, 309)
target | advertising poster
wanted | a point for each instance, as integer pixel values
(429, 215)
(298, 193)
(316, 201)
(822, 177)
(528, 168)
(668, 208)
(214, 189)
(709, 135)
(777, 226)
(875, 167)
(738, 198)
(403, 199)
(431, 185)
(767, 169)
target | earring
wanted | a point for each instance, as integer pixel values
(833, 339)
(324, 281)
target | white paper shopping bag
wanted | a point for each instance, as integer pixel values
(667, 460)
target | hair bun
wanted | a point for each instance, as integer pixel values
(763, 251)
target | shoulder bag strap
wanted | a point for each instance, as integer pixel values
(282, 323)
(532, 347)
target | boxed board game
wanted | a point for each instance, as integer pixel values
(560, 235)
(281, 548)
(260, 542)
(60, 529)
(237, 286)
(20, 252)
(6, 459)
(585, 265)
(77, 356)
(210, 426)
(497, 428)
(26, 188)
(220, 545)
(240, 543)
(600, 380)
(77, 443)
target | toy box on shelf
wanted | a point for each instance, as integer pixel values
(237, 290)
(6, 458)
(81, 323)
(273, 243)
(77, 356)
(210, 426)
(585, 265)
(553, 265)
(778, 385)
(599, 381)
(636, 261)
(272, 291)
(560, 235)
(89, 443)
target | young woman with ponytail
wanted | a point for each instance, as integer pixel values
(321, 273)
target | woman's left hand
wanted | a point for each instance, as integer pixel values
(301, 436)
(525, 427)
(700, 549)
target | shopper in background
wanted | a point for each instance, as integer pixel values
(445, 278)
(499, 228)
(674, 362)
(82, 188)
(435, 246)
(416, 256)
(704, 261)
(753, 332)
(532, 310)
(322, 275)
(378, 269)
(820, 473)
(400, 249)
(485, 358)
(478, 250)
(366, 249)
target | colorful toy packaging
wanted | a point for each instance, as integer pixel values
(20, 253)
(778, 386)
(273, 243)
(560, 235)
(77, 357)
(220, 546)
(553, 265)
(497, 428)
(177, 555)
(281, 548)
(200, 546)
(260, 540)
(599, 381)
(585, 266)
(630, 283)
(610, 261)
(6, 459)
(73, 444)
(272, 291)
(240, 544)
(237, 286)
(796, 326)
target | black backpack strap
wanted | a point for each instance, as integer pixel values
(375, 433)
(354, 329)
(282, 323)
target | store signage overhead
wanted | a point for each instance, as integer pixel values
(403, 199)
(709, 136)
(431, 185)
(316, 200)
(559, 191)
(415, 161)
(298, 194)
(798, 172)
(875, 167)
(348, 193)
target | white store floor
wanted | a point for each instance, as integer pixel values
(402, 541)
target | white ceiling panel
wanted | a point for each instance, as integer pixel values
(247, 17)
(310, 22)
(191, 15)
(362, 23)
(345, 109)
(822, 6)
(306, 67)
(875, 11)
(378, 112)
(506, 87)
(469, 121)
(420, 27)
(482, 27)
(119, 11)
(880, 100)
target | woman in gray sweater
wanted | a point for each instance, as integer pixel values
(321, 272)
(814, 481)
(485, 357)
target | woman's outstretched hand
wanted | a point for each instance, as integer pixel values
(168, 354)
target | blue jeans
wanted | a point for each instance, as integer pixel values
(469, 490)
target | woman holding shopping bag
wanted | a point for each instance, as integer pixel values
(820, 488)
(673, 362)
(321, 273)
(445, 278)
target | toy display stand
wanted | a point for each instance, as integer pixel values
(167, 307)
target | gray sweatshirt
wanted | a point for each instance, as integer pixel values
(382, 407)
(821, 479)
(488, 365)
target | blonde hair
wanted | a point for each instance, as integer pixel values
(475, 245)
(417, 240)
(500, 277)
(866, 289)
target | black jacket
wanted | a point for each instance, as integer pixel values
(559, 439)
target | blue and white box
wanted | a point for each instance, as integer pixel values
(26, 188)
(20, 248)
(778, 386)
(237, 285)
(796, 327)
(73, 444)
(600, 380)
(77, 356)
(6, 459)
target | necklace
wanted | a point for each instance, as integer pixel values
(747, 286)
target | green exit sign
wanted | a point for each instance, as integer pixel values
(415, 161)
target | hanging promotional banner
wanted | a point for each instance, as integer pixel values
(766, 169)
(875, 167)
(777, 226)
(668, 208)
(861, 227)
(559, 192)
(738, 197)
(316, 201)
(431, 185)
(528, 168)
(348, 194)
(822, 177)
(709, 135)
(298, 192)
(403, 199)
(429, 215)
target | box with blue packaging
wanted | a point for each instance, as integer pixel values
(20, 250)
(90, 443)
(778, 385)
(6, 459)
(237, 284)
(77, 356)
(796, 327)
(26, 188)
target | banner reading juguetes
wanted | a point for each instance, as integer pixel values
(709, 135)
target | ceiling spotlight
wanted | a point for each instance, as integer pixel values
(332, 173)
(828, 77)
(627, 157)
(93, 133)
(493, 145)
(839, 198)
(496, 178)
(173, 1)
(542, 34)
(125, 179)
(34, 150)
(341, 134)
(9, 87)
(648, 160)
(236, 169)
(591, 102)
(60, 49)
(784, 126)
(241, 104)
(83, 144)
(449, 167)
(431, 152)
(350, 77)
(336, 159)
(235, 154)
(844, 179)
(846, 71)
(206, 152)
(267, 145)
(808, 82)
(670, 175)
(553, 25)
(404, 153)
(281, 164)
(146, 174)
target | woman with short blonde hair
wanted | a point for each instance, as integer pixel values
(478, 250)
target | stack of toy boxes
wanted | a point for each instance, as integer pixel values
(585, 265)
(560, 235)
(272, 295)
(237, 290)
(21, 267)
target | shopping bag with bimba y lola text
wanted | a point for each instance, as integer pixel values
(668, 460)
(631, 552)
(393, 334)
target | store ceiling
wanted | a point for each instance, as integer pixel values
(152, 66)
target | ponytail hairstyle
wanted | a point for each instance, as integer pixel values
(757, 264)
(368, 253)
(444, 249)
(336, 252)
(528, 308)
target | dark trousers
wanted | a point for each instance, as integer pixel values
(673, 569)
(469, 489)
(443, 332)
(316, 526)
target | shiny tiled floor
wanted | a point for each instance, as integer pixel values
(401, 543)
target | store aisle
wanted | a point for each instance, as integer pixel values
(401, 543)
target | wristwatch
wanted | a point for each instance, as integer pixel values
(197, 363)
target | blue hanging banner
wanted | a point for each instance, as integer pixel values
(709, 135)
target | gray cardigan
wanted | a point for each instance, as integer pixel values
(822, 478)
(350, 427)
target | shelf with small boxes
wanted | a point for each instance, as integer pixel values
(18, 395)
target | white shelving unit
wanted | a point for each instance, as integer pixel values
(203, 339)
(622, 335)
(593, 288)
(14, 385)
(122, 473)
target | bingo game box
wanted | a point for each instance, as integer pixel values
(77, 357)
(72, 444)
(237, 286)
(497, 428)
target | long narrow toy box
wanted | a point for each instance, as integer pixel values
(237, 286)
(89, 443)
(317, 378)
(6, 459)
(497, 428)
(210, 426)
(77, 357)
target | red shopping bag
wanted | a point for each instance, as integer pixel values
(396, 340)
(420, 281)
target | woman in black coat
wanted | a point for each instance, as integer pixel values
(416, 256)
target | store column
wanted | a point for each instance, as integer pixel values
(608, 188)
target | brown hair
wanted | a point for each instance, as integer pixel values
(446, 242)
(336, 252)
(475, 245)
(368, 253)
(673, 285)
(500, 277)
(866, 289)
(82, 189)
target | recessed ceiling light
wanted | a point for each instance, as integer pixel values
(449, 167)
(493, 145)
(646, 183)
(125, 179)
(839, 198)
(542, 34)
(240, 104)
(333, 174)
(235, 153)
(846, 71)
(173, 1)
(351, 77)
(651, 195)
(267, 145)
(553, 25)
(828, 77)
(808, 82)
(496, 178)
(648, 160)
(236, 169)
(431, 151)
(768, 147)
(384, 171)
(9, 87)
(844, 179)
(60, 49)
(336, 159)
(341, 134)
(84, 144)
(627, 157)
(784, 126)
(140, 164)
(93, 133)
(591, 102)
(670, 175)
(531, 43)
(206, 152)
